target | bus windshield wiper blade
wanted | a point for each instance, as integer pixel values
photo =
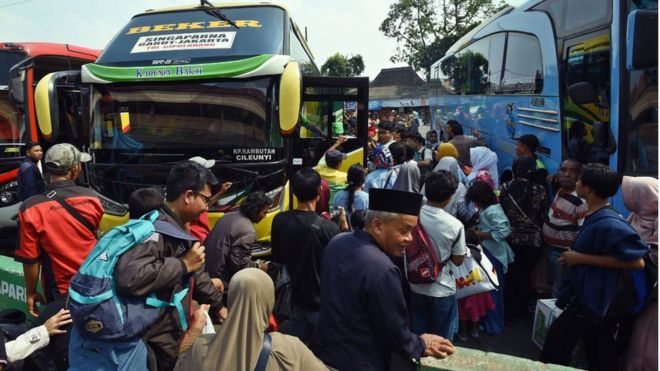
(217, 13)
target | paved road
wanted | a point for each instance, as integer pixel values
(515, 341)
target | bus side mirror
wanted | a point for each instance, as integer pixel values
(642, 39)
(46, 103)
(16, 90)
(582, 93)
(289, 99)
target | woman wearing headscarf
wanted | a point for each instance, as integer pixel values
(446, 149)
(640, 196)
(458, 207)
(238, 344)
(524, 203)
(484, 167)
(380, 177)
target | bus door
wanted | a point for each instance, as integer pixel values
(59, 102)
(333, 109)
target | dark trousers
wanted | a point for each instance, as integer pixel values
(572, 325)
(518, 294)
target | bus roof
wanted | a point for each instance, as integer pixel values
(36, 49)
(229, 4)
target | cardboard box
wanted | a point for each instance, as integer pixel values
(546, 313)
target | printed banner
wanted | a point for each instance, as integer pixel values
(184, 41)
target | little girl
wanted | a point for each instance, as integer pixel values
(473, 308)
(493, 229)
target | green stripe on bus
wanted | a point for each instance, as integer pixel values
(178, 72)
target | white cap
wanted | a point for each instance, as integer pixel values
(202, 161)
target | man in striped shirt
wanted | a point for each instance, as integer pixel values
(565, 217)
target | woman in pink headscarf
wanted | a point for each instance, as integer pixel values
(640, 196)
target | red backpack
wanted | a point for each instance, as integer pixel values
(422, 265)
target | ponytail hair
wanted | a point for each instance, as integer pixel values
(355, 178)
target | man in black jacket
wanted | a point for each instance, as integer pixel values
(298, 239)
(165, 265)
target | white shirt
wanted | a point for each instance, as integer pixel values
(26, 344)
(442, 229)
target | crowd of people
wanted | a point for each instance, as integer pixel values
(336, 293)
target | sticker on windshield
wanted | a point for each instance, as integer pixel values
(184, 41)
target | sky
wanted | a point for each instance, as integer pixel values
(344, 26)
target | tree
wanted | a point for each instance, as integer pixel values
(340, 65)
(425, 29)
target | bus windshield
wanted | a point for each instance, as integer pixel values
(7, 60)
(196, 36)
(184, 116)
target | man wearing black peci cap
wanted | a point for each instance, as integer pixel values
(363, 318)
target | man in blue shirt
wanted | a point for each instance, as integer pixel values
(363, 318)
(30, 182)
(604, 251)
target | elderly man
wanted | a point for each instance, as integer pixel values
(363, 318)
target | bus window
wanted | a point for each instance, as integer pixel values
(571, 17)
(299, 53)
(523, 71)
(314, 120)
(587, 61)
(640, 152)
(475, 69)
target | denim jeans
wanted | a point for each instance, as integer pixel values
(555, 270)
(434, 315)
(303, 323)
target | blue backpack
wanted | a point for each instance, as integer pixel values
(97, 310)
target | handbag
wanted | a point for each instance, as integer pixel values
(531, 235)
(476, 275)
(284, 283)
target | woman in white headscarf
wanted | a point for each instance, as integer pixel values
(458, 207)
(484, 165)
(237, 346)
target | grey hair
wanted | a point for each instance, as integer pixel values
(385, 216)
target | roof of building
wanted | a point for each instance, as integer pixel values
(397, 83)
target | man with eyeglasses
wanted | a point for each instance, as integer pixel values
(166, 265)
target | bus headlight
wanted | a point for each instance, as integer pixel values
(110, 206)
(8, 194)
(276, 195)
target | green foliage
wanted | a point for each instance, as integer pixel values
(425, 29)
(340, 65)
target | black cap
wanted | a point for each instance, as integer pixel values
(530, 140)
(390, 200)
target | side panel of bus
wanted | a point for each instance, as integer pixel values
(505, 84)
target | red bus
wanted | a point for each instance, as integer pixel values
(22, 65)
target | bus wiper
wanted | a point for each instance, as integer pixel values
(217, 13)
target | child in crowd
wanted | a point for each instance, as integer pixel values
(473, 308)
(357, 219)
(144, 200)
(493, 229)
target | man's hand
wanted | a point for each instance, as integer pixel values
(570, 258)
(198, 317)
(218, 284)
(32, 299)
(194, 258)
(56, 322)
(223, 189)
(222, 314)
(437, 346)
(343, 220)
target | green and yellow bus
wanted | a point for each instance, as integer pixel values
(227, 82)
